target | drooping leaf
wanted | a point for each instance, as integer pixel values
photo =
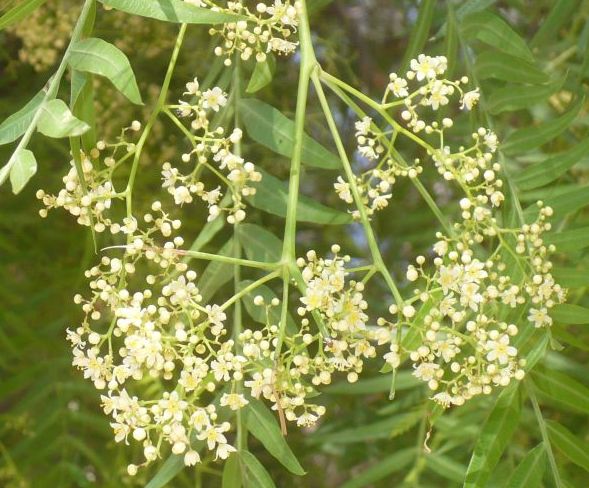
(269, 127)
(272, 196)
(546, 171)
(102, 58)
(419, 32)
(570, 445)
(517, 97)
(494, 437)
(16, 125)
(532, 137)
(562, 389)
(264, 427)
(493, 30)
(262, 74)
(502, 66)
(57, 121)
(381, 469)
(176, 11)
(19, 12)
(25, 166)
(530, 470)
(254, 474)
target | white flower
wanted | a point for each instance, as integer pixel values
(470, 99)
(426, 371)
(214, 99)
(539, 317)
(398, 86)
(500, 350)
(234, 401)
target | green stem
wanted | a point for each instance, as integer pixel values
(248, 289)
(160, 104)
(308, 63)
(230, 260)
(370, 237)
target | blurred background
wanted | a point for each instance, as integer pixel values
(52, 431)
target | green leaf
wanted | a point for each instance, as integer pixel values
(259, 244)
(571, 446)
(19, 12)
(502, 66)
(569, 240)
(383, 468)
(262, 74)
(517, 97)
(254, 474)
(562, 389)
(269, 127)
(57, 121)
(82, 104)
(232, 472)
(446, 467)
(466, 8)
(381, 429)
(571, 277)
(494, 437)
(530, 470)
(169, 470)
(491, 29)
(97, 56)
(263, 426)
(533, 137)
(272, 196)
(24, 167)
(546, 171)
(560, 13)
(419, 32)
(176, 11)
(216, 274)
(16, 125)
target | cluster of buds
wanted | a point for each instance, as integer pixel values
(266, 28)
(88, 196)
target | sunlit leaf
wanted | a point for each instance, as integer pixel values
(19, 12)
(176, 11)
(25, 166)
(57, 121)
(16, 125)
(102, 58)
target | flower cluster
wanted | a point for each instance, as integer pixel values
(266, 28)
(88, 194)
(484, 272)
(210, 144)
(378, 146)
